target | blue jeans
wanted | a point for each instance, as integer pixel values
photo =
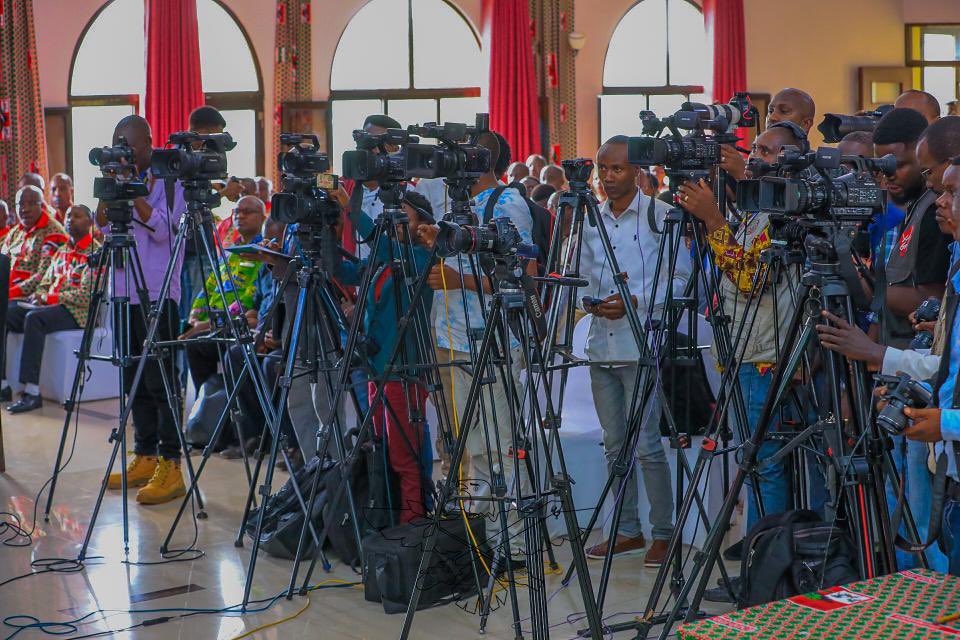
(951, 533)
(919, 491)
(773, 480)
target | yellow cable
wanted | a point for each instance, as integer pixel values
(247, 634)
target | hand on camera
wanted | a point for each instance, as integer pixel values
(232, 191)
(849, 340)
(194, 329)
(925, 426)
(340, 196)
(698, 199)
(612, 307)
(732, 162)
(427, 234)
(443, 277)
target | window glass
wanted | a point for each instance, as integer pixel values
(226, 62)
(445, 50)
(637, 54)
(348, 115)
(92, 127)
(110, 60)
(374, 51)
(242, 160)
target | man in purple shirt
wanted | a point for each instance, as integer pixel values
(155, 466)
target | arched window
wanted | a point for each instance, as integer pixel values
(415, 60)
(106, 85)
(657, 59)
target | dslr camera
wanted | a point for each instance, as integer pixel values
(305, 197)
(121, 181)
(835, 125)
(456, 156)
(499, 237)
(194, 156)
(696, 151)
(902, 392)
(928, 311)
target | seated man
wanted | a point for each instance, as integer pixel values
(248, 219)
(61, 195)
(60, 303)
(31, 243)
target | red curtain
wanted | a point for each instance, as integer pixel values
(174, 87)
(724, 22)
(513, 90)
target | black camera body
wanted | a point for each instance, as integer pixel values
(499, 237)
(835, 125)
(902, 392)
(578, 171)
(304, 198)
(122, 184)
(194, 156)
(928, 311)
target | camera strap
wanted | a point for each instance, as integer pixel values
(939, 491)
(492, 203)
(652, 215)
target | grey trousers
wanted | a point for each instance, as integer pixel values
(613, 390)
(309, 408)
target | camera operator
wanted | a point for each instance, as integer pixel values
(366, 196)
(737, 255)
(454, 310)
(155, 465)
(611, 340)
(919, 101)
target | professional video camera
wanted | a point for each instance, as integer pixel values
(194, 156)
(830, 195)
(697, 151)
(121, 182)
(499, 237)
(835, 126)
(928, 311)
(456, 156)
(902, 392)
(305, 196)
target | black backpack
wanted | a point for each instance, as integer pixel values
(542, 220)
(786, 554)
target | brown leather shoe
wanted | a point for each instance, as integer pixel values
(624, 546)
(657, 553)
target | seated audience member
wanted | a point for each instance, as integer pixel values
(647, 183)
(383, 312)
(59, 303)
(920, 101)
(61, 195)
(36, 180)
(530, 183)
(536, 163)
(8, 219)
(31, 243)
(541, 195)
(554, 176)
(516, 172)
(265, 191)
(613, 350)
(203, 358)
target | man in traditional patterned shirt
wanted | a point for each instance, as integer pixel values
(203, 358)
(60, 303)
(31, 243)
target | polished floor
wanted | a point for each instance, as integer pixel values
(114, 587)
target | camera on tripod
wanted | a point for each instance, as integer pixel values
(456, 156)
(499, 237)
(305, 197)
(697, 150)
(835, 125)
(121, 182)
(578, 172)
(194, 156)
(928, 311)
(830, 195)
(902, 392)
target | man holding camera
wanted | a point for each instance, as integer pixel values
(365, 197)
(155, 465)
(613, 350)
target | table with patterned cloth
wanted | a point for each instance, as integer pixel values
(902, 605)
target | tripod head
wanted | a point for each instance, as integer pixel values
(459, 189)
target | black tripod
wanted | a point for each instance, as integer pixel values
(857, 454)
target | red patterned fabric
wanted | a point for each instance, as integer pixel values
(291, 76)
(22, 137)
(513, 93)
(174, 86)
(724, 22)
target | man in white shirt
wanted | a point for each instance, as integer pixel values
(612, 347)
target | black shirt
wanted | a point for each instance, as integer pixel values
(933, 256)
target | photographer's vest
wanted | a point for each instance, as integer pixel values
(901, 267)
(760, 344)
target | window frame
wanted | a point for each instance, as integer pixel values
(246, 100)
(658, 90)
(411, 92)
(917, 65)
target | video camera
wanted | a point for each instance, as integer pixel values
(902, 392)
(305, 197)
(194, 156)
(456, 156)
(121, 182)
(832, 194)
(499, 237)
(695, 151)
(835, 126)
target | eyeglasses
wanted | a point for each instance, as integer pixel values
(926, 172)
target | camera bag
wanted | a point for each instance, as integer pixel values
(392, 561)
(790, 553)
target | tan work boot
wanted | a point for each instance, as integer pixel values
(165, 485)
(139, 471)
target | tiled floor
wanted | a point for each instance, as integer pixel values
(215, 580)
